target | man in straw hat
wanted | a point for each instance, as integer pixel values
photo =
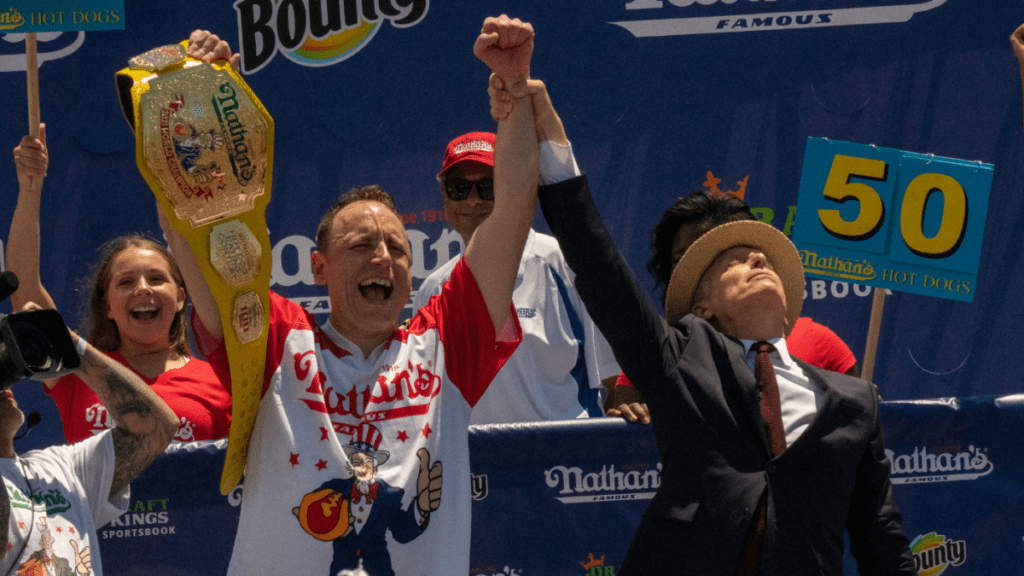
(767, 460)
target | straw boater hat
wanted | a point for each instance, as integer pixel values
(702, 253)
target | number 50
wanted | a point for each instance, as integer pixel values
(871, 215)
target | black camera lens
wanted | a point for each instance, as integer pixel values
(35, 347)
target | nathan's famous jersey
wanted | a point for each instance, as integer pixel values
(408, 405)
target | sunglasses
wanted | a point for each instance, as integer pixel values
(458, 189)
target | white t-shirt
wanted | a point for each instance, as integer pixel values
(416, 390)
(59, 496)
(556, 372)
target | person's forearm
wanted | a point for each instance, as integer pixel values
(549, 125)
(203, 302)
(23, 253)
(497, 246)
(145, 424)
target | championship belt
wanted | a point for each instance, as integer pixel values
(204, 143)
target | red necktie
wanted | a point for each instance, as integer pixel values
(771, 414)
(768, 391)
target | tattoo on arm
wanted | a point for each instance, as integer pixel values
(145, 424)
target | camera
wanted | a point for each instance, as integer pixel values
(34, 344)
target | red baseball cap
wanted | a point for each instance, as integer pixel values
(472, 147)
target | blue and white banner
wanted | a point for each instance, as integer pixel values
(566, 497)
(370, 92)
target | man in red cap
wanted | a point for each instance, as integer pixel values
(563, 364)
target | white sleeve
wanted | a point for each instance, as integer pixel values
(557, 163)
(93, 461)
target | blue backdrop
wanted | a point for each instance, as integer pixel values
(733, 89)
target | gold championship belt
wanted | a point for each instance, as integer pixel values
(204, 143)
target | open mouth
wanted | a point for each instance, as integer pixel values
(143, 313)
(376, 289)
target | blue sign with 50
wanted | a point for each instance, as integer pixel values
(892, 219)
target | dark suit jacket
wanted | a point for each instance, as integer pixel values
(707, 422)
(369, 544)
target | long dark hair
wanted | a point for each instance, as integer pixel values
(103, 332)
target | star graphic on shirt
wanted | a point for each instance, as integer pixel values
(321, 465)
(71, 529)
(427, 430)
(59, 529)
(403, 436)
(323, 433)
(21, 525)
(294, 460)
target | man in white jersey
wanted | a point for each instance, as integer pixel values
(416, 385)
(564, 363)
(54, 499)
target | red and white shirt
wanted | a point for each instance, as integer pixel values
(418, 389)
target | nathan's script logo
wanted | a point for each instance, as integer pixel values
(664, 17)
(52, 501)
(945, 466)
(933, 553)
(478, 486)
(631, 483)
(316, 32)
(226, 108)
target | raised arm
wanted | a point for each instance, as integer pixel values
(493, 254)
(32, 159)
(145, 425)
(203, 302)
(1017, 41)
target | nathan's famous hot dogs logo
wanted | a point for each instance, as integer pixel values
(313, 32)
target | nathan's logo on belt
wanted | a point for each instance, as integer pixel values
(610, 484)
(933, 553)
(946, 466)
(226, 108)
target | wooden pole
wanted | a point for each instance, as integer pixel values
(32, 71)
(874, 327)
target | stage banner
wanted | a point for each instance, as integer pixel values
(566, 497)
(659, 98)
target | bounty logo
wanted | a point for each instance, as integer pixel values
(609, 485)
(923, 467)
(316, 32)
(753, 17)
(933, 553)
